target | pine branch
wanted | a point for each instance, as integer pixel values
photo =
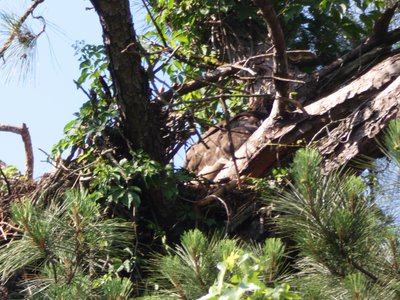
(374, 278)
(14, 33)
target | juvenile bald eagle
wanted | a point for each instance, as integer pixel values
(207, 157)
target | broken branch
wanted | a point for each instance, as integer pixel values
(23, 131)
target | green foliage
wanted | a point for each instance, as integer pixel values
(328, 27)
(11, 171)
(184, 30)
(116, 288)
(190, 14)
(93, 62)
(188, 270)
(12, 174)
(219, 268)
(96, 115)
(123, 182)
(68, 250)
(391, 141)
(245, 275)
(342, 243)
(118, 179)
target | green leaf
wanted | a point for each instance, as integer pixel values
(130, 198)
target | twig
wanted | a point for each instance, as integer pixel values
(381, 26)
(106, 88)
(217, 75)
(288, 79)
(220, 73)
(171, 55)
(153, 20)
(196, 84)
(228, 214)
(242, 68)
(3, 233)
(6, 181)
(79, 86)
(193, 61)
(26, 138)
(11, 226)
(219, 96)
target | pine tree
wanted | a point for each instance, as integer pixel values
(66, 250)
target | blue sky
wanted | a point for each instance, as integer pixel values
(48, 102)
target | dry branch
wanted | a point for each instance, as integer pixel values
(198, 83)
(23, 131)
(222, 72)
(280, 68)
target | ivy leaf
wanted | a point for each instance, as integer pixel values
(130, 198)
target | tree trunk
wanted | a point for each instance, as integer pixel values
(139, 116)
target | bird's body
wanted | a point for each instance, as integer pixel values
(207, 156)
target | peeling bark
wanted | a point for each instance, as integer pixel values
(341, 125)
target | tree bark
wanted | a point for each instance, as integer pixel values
(341, 125)
(139, 116)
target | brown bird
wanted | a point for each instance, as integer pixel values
(208, 156)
